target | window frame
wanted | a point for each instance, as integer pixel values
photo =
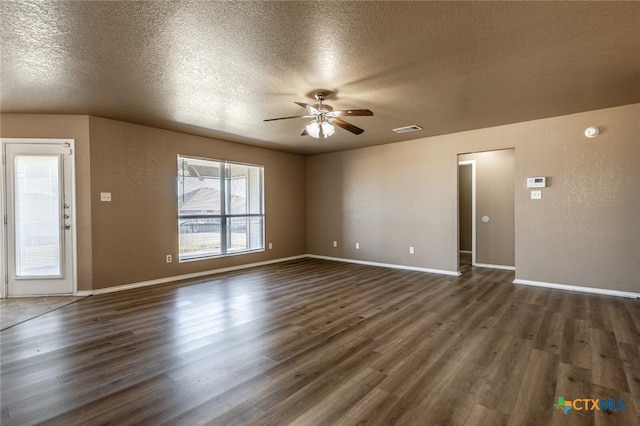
(224, 217)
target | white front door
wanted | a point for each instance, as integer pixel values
(38, 218)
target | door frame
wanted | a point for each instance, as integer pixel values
(471, 163)
(72, 239)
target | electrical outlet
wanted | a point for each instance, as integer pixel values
(357, 246)
(411, 250)
(335, 244)
(105, 196)
(169, 258)
(270, 246)
(536, 195)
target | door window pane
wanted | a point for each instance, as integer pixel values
(37, 216)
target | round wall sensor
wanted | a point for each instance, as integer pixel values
(591, 132)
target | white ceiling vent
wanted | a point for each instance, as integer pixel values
(407, 129)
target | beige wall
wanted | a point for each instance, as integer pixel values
(138, 165)
(465, 209)
(495, 240)
(383, 198)
(585, 231)
(125, 241)
(64, 127)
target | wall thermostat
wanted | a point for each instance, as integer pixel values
(537, 182)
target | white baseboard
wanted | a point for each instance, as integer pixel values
(251, 265)
(387, 265)
(487, 265)
(174, 278)
(581, 289)
(466, 251)
(184, 277)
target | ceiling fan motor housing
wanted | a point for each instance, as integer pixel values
(322, 108)
(320, 96)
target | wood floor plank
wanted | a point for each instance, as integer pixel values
(627, 417)
(610, 373)
(630, 357)
(575, 347)
(624, 326)
(597, 314)
(423, 387)
(548, 336)
(104, 409)
(204, 400)
(309, 396)
(521, 320)
(446, 407)
(481, 415)
(405, 374)
(573, 382)
(607, 369)
(312, 341)
(603, 344)
(370, 410)
(500, 389)
(340, 400)
(478, 360)
(537, 390)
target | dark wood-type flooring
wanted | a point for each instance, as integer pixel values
(314, 342)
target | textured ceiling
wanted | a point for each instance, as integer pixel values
(219, 68)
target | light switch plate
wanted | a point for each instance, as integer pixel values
(536, 195)
(105, 196)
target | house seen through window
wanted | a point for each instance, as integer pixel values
(220, 208)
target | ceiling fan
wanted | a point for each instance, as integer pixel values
(324, 118)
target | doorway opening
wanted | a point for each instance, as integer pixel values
(486, 210)
(38, 206)
(467, 213)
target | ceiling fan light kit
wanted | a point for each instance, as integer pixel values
(318, 130)
(325, 118)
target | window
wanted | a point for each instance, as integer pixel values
(220, 208)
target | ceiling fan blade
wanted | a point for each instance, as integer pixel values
(285, 118)
(310, 108)
(350, 113)
(347, 126)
